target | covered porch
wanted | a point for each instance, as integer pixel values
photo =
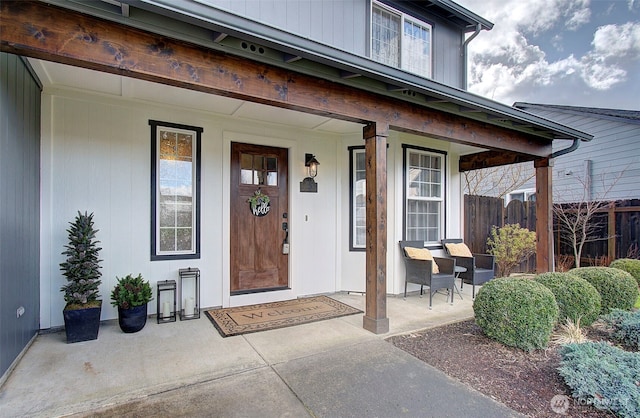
(482, 133)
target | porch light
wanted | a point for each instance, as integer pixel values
(166, 301)
(189, 297)
(312, 165)
(308, 184)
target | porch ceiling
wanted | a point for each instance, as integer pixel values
(60, 76)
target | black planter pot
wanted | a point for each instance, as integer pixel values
(132, 319)
(82, 324)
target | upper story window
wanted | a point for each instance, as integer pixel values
(400, 40)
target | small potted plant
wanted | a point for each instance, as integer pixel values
(131, 296)
(82, 271)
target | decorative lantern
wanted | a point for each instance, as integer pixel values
(189, 293)
(166, 301)
(308, 184)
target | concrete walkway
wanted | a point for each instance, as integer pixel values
(332, 368)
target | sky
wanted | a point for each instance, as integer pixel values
(564, 52)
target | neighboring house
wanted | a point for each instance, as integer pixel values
(164, 118)
(606, 168)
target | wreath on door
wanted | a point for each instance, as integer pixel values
(259, 203)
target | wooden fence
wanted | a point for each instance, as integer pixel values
(619, 228)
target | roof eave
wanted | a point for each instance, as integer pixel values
(440, 96)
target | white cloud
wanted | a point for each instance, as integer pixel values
(578, 18)
(507, 66)
(617, 40)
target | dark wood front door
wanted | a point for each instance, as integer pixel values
(258, 233)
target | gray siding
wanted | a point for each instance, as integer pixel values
(19, 207)
(338, 23)
(344, 24)
(447, 54)
(614, 154)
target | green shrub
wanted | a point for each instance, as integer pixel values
(630, 265)
(517, 312)
(603, 375)
(626, 327)
(618, 290)
(577, 299)
(131, 292)
(82, 267)
(511, 245)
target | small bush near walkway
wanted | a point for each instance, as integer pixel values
(602, 375)
(511, 245)
(617, 288)
(516, 312)
(577, 299)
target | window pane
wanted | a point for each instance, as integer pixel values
(423, 220)
(358, 188)
(185, 142)
(416, 48)
(246, 169)
(167, 239)
(424, 206)
(424, 175)
(184, 239)
(272, 171)
(184, 215)
(175, 210)
(400, 41)
(385, 37)
(272, 164)
(168, 143)
(272, 178)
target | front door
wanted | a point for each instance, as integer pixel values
(259, 222)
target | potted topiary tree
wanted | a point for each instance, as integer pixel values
(131, 296)
(82, 271)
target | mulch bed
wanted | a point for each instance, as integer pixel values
(524, 381)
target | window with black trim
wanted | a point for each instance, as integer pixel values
(357, 199)
(175, 191)
(424, 194)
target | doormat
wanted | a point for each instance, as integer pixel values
(266, 316)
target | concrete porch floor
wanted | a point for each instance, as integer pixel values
(324, 369)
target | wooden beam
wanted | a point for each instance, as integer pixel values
(375, 316)
(488, 159)
(544, 216)
(36, 29)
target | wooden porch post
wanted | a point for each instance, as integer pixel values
(544, 215)
(375, 316)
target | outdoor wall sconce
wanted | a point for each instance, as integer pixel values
(189, 293)
(308, 184)
(166, 301)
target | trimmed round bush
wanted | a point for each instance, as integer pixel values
(517, 312)
(617, 288)
(576, 297)
(630, 265)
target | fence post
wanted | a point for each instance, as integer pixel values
(611, 248)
